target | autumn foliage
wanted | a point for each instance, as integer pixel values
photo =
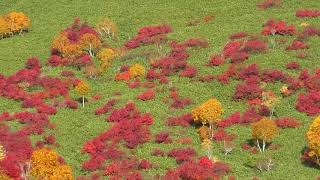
(264, 130)
(208, 113)
(313, 137)
(12, 23)
(72, 44)
(46, 164)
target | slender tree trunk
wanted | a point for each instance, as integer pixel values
(271, 113)
(211, 131)
(90, 51)
(263, 145)
(83, 101)
(258, 145)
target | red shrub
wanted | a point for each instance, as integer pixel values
(255, 46)
(144, 164)
(189, 72)
(287, 123)
(184, 121)
(71, 104)
(107, 107)
(217, 60)
(252, 71)
(297, 45)
(192, 170)
(238, 35)
(232, 120)
(250, 116)
(307, 13)
(135, 84)
(293, 65)
(197, 43)
(207, 78)
(248, 91)
(221, 135)
(149, 35)
(309, 103)
(271, 76)
(55, 60)
(178, 102)
(158, 152)
(279, 28)
(269, 4)
(147, 95)
(182, 155)
(163, 138)
(67, 74)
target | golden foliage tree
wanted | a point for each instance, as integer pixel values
(17, 22)
(106, 57)
(136, 71)
(90, 43)
(264, 130)
(14, 22)
(83, 88)
(313, 137)
(208, 113)
(107, 29)
(66, 48)
(45, 165)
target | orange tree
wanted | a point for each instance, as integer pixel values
(106, 57)
(136, 71)
(264, 130)
(83, 88)
(46, 165)
(313, 137)
(14, 22)
(208, 113)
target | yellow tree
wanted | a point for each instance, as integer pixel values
(106, 56)
(313, 137)
(107, 29)
(264, 130)
(136, 71)
(17, 22)
(270, 100)
(90, 43)
(83, 88)
(45, 164)
(208, 113)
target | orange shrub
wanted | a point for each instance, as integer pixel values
(208, 112)
(136, 71)
(204, 133)
(45, 165)
(3, 176)
(66, 48)
(77, 40)
(63, 172)
(4, 27)
(17, 22)
(313, 137)
(12, 23)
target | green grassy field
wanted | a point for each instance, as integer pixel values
(74, 128)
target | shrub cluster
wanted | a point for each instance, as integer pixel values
(13, 23)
